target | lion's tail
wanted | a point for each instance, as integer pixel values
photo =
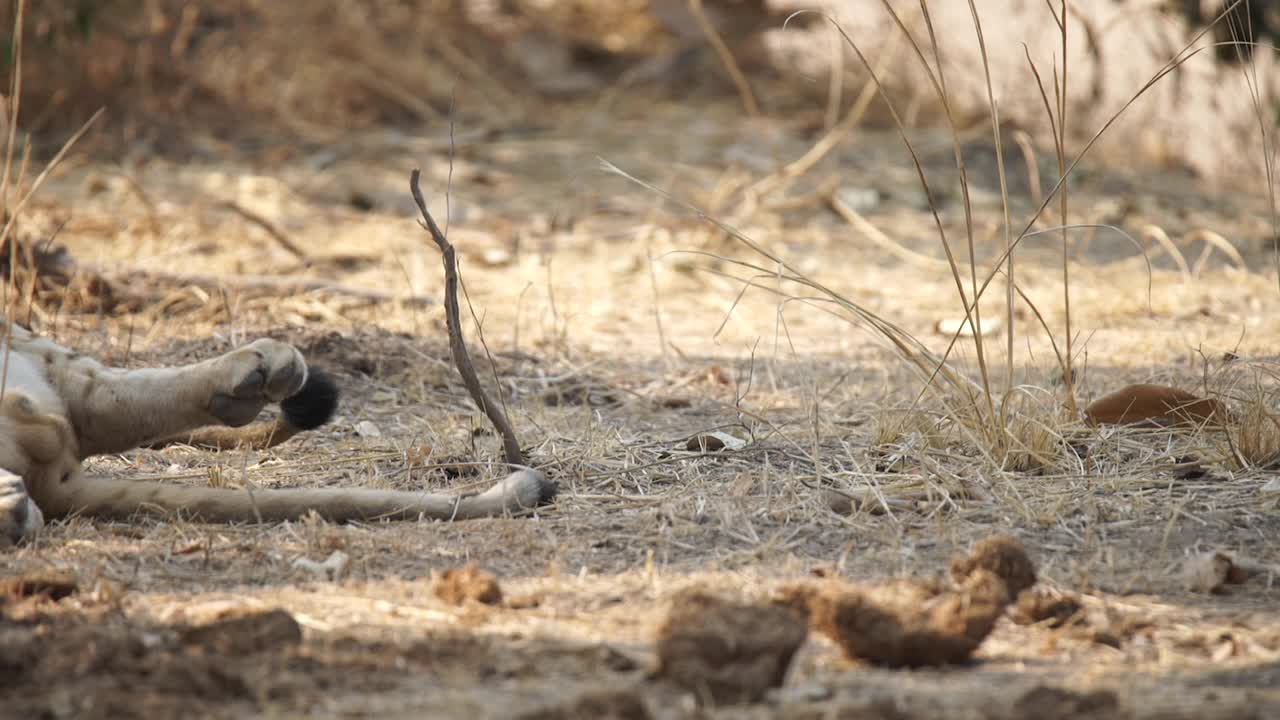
(121, 499)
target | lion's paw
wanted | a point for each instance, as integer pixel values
(19, 516)
(261, 372)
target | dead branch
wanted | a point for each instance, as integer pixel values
(458, 346)
(270, 283)
(268, 227)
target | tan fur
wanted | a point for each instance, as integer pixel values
(59, 407)
(258, 436)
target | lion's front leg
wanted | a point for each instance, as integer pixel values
(113, 410)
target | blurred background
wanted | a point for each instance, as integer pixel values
(195, 77)
(274, 140)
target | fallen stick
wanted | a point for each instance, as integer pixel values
(458, 346)
(252, 282)
(268, 227)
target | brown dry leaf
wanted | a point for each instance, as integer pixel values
(1156, 404)
(418, 455)
(717, 375)
(714, 441)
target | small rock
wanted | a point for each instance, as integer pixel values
(331, 569)
(860, 200)
(917, 199)
(366, 429)
(961, 326)
(1272, 487)
(495, 257)
(1209, 572)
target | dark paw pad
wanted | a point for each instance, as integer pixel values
(235, 411)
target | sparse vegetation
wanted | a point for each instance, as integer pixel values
(804, 357)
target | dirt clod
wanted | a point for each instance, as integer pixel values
(456, 586)
(1053, 703)
(1002, 555)
(245, 633)
(727, 651)
(619, 704)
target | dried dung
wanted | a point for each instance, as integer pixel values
(458, 585)
(726, 651)
(251, 632)
(919, 623)
(943, 631)
(1002, 555)
(1041, 606)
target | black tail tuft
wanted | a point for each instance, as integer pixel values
(314, 404)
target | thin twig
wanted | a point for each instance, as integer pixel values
(268, 227)
(726, 58)
(255, 282)
(461, 358)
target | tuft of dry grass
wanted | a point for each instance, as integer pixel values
(978, 412)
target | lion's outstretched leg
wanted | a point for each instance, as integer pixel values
(113, 409)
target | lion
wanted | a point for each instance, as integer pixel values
(59, 407)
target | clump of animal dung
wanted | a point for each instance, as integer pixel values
(918, 623)
(727, 651)
(456, 586)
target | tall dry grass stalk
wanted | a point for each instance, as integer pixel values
(1016, 435)
(9, 215)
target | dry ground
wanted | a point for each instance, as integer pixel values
(609, 364)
